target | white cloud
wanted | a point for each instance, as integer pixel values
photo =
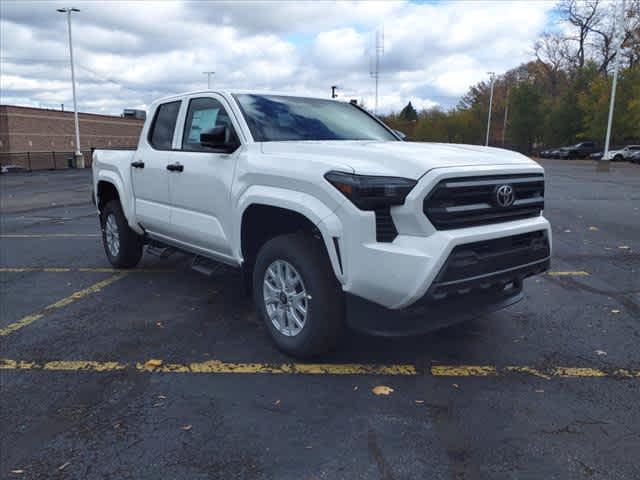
(128, 53)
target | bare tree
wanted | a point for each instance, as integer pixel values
(584, 15)
(553, 55)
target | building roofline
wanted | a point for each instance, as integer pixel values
(70, 112)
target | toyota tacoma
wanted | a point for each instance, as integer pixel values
(331, 217)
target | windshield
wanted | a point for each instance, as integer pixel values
(273, 118)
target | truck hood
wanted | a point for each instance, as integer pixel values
(402, 159)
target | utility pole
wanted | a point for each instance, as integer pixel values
(506, 115)
(604, 163)
(375, 71)
(208, 74)
(78, 154)
(486, 142)
(333, 91)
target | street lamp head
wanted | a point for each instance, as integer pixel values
(67, 10)
(73, 9)
(61, 10)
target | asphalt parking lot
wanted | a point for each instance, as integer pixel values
(161, 372)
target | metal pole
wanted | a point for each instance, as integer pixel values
(208, 74)
(79, 156)
(333, 91)
(506, 115)
(603, 165)
(486, 142)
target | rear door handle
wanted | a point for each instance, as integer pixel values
(175, 167)
(137, 164)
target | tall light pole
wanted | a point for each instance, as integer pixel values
(78, 154)
(603, 164)
(506, 116)
(486, 142)
(333, 91)
(208, 74)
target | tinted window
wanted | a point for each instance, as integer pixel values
(276, 118)
(164, 124)
(634, 147)
(203, 115)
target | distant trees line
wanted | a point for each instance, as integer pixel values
(559, 98)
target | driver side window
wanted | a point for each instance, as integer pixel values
(203, 115)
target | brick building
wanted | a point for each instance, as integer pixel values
(38, 138)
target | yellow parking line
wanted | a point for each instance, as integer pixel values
(50, 235)
(29, 319)
(218, 367)
(213, 367)
(568, 274)
(82, 269)
(546, 373)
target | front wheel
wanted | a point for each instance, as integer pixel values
(122, 245)
(297, 295)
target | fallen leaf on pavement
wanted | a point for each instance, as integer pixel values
(17, 471)
(419, 402)
(624, 247)
(154, 362)
(455, 385)
(539, 391)
(277, 402)
(186, 428)
(594, 229)
(615, 311)
(600, 352)
(64, 465)
(382, 390)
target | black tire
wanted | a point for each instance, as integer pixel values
(324, 322)
(618, 158)
(130, 243)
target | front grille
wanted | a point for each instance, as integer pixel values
(385, 228)
(472, 201)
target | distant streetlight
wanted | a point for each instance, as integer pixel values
(603, 164)
(492, 75)
(208, 74)
(78, 154)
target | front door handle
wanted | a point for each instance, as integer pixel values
(175, 167)
(137, 164)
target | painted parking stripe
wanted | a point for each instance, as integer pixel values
(214, 367)
(545, 373)
(29, 319)
(83, 270)
(50, 235)
(579, 273)
(218, 367)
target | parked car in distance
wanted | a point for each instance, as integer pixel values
(548, 153)
(596, 156)
(579, 150)
(319, 204)
(623, 153)
(635, 157)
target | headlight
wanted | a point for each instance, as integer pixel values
(371, 192)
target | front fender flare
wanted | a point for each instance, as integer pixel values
(311, 207)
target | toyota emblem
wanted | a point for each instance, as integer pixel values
(505, 196)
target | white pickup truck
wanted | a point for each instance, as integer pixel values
(327, 211)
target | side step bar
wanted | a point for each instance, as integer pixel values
(199, 263)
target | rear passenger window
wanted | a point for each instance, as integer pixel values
(164, 124)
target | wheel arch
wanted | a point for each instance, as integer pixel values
(290, 212)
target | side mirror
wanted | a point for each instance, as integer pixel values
(402, 136)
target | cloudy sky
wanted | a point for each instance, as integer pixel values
(129, 53)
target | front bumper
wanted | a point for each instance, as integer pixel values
(467, 299)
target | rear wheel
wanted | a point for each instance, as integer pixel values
(297, 295)
(122, 245)
(618, 158)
